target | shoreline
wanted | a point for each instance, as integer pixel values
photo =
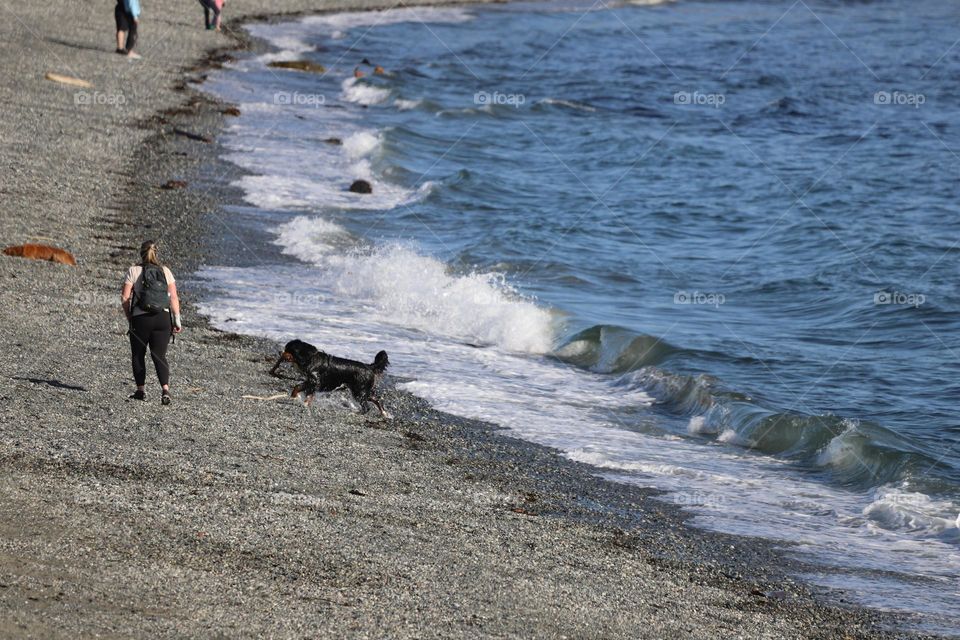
(550, 548)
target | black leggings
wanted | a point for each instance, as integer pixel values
(151, 330)
(210, 7)
(125, 22)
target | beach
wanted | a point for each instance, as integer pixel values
(228, 517)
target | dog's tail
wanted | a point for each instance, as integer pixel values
(380, 363)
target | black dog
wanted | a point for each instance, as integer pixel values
(328, 373)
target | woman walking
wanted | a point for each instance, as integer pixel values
(150, 302)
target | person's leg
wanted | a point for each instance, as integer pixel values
(159, 340)
(212, 11)
(132, 36)
(120, 17)
(139, 338)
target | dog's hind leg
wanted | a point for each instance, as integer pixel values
(379, 406)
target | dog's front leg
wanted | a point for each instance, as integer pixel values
(273, 371)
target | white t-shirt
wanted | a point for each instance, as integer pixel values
(133, 278)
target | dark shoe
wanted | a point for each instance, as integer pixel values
(138, 395)
(165, 398)
(122, 52)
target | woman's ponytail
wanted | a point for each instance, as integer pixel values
(148, 253)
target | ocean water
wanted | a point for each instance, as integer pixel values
(708, 247)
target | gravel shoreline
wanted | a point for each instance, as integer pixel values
(227, 517)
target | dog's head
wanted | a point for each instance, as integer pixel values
(381, 362)
(297, 351)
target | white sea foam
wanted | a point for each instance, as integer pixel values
(295, 167)
(356, 90)
(293, 38)
(697, 424)
(729, 436)
(419, 292)
(844, 450)
(406, 105)
(313, 237)
(290, 46)
(341, 22)
(570, 104)
(896, 507)
(361, 143)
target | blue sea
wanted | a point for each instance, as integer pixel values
(708, 247)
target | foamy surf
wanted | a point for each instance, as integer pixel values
(296, 38)
(419, 292)
(569, 104)
(358, 91)
(342, 22)
(406, 105)
(311, 167)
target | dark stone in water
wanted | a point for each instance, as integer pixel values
(298, 65)
(231, 111)
(361, 186)
(333, 141)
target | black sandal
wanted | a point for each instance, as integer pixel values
(138, 395)
(165, 398)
